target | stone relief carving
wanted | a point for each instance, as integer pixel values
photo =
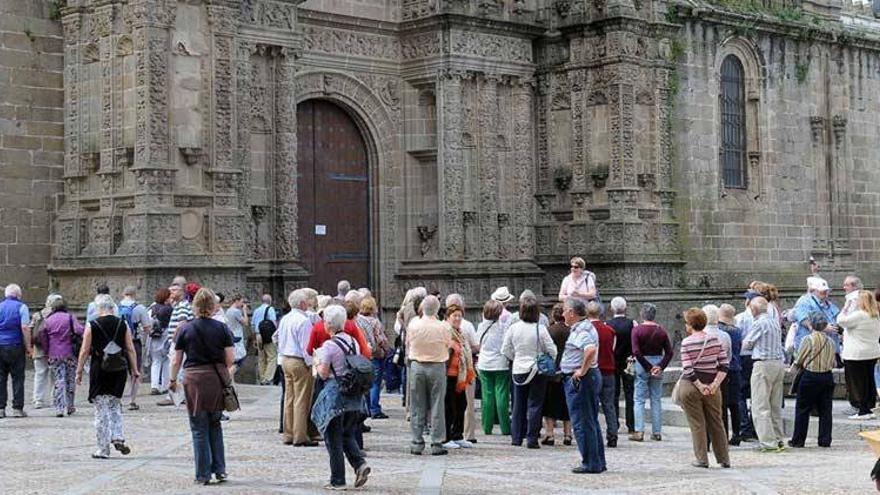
(493, 46)
(337, 41)
(269, 14)
(420, 45)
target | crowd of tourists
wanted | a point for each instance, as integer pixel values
(332, 354)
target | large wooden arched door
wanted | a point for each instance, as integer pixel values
(333, 196)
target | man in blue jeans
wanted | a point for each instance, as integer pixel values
(15, 346)
(580, 372)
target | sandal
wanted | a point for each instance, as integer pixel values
(548, 441)
(566, 440)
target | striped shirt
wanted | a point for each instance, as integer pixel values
(765, 339)
(702, 357)
(819, 360)
(182, 310)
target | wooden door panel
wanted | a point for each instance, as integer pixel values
(333, 163)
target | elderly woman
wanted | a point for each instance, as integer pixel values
(336, 415)
(583, 381)
(209, 351)
(494, 370)
(555, 408)
(815, 357)
(522, 343)
(579, 284)
(704, 367)
(57, 340)
(41, 362)
(159, 345)
(106, 377)
(860, 352)
(459, 374)
(653, 351)
(381, 346)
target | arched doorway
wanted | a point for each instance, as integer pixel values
(333, 196)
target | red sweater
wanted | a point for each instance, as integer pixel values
(607, 364)
(320, 335)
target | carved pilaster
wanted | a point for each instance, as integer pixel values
(451, 163)
(286, 241)
(817, 129)
(72, 22)
(488, 189)
(524, 172)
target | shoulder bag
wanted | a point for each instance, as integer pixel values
(230, 397)
(76, 339)
(112, 358)
(799, 370)
(676, 390)
(546, 365)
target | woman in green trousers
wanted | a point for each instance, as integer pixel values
(494, 370)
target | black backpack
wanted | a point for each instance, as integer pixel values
(358, 375)
(113, 356)
(266, 327)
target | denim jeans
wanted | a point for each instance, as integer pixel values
(12, 361)
(609, 407)
(376, 388)
(207, 435)
(583, 407)
(645, 385)
(341, 444)
(746, 425)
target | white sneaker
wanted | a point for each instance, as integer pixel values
(464, 444)
(863, 416)
(450, 445)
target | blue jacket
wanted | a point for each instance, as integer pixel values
(331, 403)
(802, 310)
(736, 341)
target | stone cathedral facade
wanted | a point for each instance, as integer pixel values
(682, 147)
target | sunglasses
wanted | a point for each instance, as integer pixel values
(574, 267)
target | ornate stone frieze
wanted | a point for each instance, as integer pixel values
(492, 46)
(341, 42)
(276, 15)
(420, 45)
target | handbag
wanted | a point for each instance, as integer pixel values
(630, 366)
(230, 397)
(676, 390)
(546, 365)
(799, 373)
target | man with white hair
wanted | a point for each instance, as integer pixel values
(526, 295)
(470, 334)
(15, 347)
(293, 338)
(427, 344)
(765, 341)
(41, 362)
(623, 327)
(816, 301)
(342, 289)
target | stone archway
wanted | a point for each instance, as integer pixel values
(378, 123)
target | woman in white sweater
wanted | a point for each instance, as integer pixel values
(860, 352)
(523, 341)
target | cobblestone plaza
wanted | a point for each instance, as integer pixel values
(42, 454)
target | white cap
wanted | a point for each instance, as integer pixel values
(817, 284)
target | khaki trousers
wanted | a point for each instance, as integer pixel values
(268, 360)
(470, 417)
(298, 383)
(767, 384)
(704, 415)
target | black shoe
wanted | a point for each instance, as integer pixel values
(734, 441)
(533, 445)
(516, 444)
(380, 415)
(366, 429)
(583, 470)
(795, 445)
(612, 442)
(221, 477)
(700, 464)
(472, 440)
(566, 440)
(725, 465)
(548, 441)
(438, 451)
(825, 446)
(310, 443)
(361, 473)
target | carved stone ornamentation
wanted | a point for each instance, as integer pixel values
(817, 127)
(426, 236)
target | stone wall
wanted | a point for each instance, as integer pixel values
(31, 141)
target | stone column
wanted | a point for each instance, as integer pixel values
(488, 187)
(523, 145)
(285, 228)
(450, 163)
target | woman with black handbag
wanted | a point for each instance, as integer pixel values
(815, 384)
(109, 344)
(207, 344)
(59, 337)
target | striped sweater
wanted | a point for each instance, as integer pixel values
(712, 359)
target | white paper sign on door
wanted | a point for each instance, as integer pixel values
(320, 229)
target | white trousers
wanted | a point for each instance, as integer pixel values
(42, 381)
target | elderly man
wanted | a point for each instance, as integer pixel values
(765, 341)
(732, 385)
(582, 382)
(342, 289)
(266, 317)
(623, 327)
(139, 324)
(293, 337)
(816, 300)
(744, 323)
(15, 347)
(427, 347)
(181, 312)
(470, 334)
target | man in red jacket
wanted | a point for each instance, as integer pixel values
(607, 366)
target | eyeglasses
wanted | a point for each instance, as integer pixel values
(575, 267)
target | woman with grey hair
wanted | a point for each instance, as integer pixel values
(653, 351)
(337, 415)
(58, 338)
(41, 362)
(106, 379)
(815, 357)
